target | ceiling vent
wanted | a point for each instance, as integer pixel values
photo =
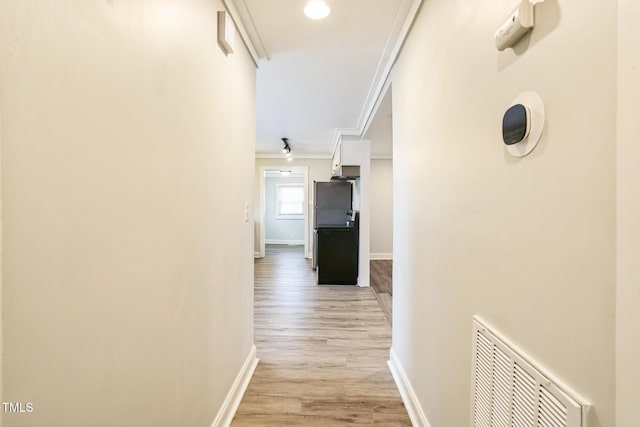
(509, 391)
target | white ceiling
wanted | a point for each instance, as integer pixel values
(319, 79)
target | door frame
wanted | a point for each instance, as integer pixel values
(261, 205)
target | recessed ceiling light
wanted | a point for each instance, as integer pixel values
(316, 9)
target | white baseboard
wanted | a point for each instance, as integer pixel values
(363, 283)
(380, 255)
(283, 242)
(231, 403)
(418, 418)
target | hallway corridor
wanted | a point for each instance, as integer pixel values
(322, 349)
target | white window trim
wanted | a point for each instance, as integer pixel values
(289, 216)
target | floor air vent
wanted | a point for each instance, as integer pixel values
(508, 391)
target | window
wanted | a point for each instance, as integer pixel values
(290, 201)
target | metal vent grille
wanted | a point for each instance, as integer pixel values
(508, 391)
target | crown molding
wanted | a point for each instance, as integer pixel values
(380, 84)
(244, 23)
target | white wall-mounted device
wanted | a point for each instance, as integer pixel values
(522, 124)
(517, 24)
(226, 32)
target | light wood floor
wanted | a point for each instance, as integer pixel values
(323, 351)
(381, 284)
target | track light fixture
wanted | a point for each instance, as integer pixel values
(286, 149)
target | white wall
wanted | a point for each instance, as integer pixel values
(364, 196)
(628, 214)
(1, 240)
(381, 208)
(128, 297)
(280, 229)
(528, 244)
(319, 170)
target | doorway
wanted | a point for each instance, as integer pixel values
(284, 210)
(380, 133)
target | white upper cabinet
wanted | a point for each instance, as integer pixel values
(348, 153)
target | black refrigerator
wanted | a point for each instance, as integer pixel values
(335, 242)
